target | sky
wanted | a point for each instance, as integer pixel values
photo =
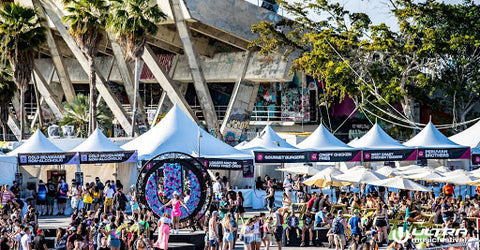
(377, 10)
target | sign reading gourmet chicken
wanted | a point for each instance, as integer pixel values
(48, 159)
(108, 157)
(334, 156)
(390, 155)
(280, 157)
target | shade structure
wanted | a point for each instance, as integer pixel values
(37, 143)
(443, 169)
(386, 171)
(459, 179)
(361, 176)
(469, 137)
(300, 170)
(379, 146)
(419, 171)
(176, 132)
(409, 167)
(324, 180)
(432, 144)
(475, 173)
(324, 146)
(400, 183)
(267, 140)
(97, 142)
(430, 176)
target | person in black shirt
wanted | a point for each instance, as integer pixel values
(5, 241)
(316, 204)
(39, 240)
(15, 188)
(120, 201)
(51, 194)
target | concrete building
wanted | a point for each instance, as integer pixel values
(199, 59)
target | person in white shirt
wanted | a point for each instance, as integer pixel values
(217, 188)
(108, 193)
(26, 240)
(288, 185)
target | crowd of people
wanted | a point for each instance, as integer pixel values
(356, 220)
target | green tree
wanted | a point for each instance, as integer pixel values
(7, 91)
(373, 65)
(131, 21)
(449, 36)
(21, 35)
(76, 113)
(86, 20)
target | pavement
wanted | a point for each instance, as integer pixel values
(54, 222)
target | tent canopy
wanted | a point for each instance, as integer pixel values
(469, 137)
(430, 137)
(37, 143)
(322, 139)
(97, 142)
(267, 140)
(400, 183)
(376, 138)
(178, 133)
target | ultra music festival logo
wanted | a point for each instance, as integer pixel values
(432, 235)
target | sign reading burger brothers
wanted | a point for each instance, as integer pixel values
(448, 153)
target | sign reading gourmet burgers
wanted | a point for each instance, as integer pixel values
(280, 157)
(108, 157)
(334, 156)
(48, 159)
(390, 155)
(444, 153)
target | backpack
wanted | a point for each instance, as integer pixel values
(337, 226)
(63, 188)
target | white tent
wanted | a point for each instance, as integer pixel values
(376, 138)
(178, 133)
(37, 143)
(429, 176)
(400, 183)
(97, 142)
(267, 140)
(300, 170)
(361, 176)
(469, 137)
(386, 171)
(9, 168)
(430, 137)
(322, 139)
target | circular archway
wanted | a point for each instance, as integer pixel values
(173, 172)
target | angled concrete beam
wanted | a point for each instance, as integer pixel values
(55, 16)
(47, 94)
(166, 82)
(238, 99)
(127, 76)
(219, 35)
(14, 126)
(203, 93)
(57, 59)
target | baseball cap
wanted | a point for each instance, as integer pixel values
(39, 231)
(373, 232)
(73, 228)
(215, 213)
(340, 211)
(356, 211)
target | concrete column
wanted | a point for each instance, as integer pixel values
(47, 94)
(239, 111)
(203, 93)
(55, 16)
(167, 84)
(57, 59)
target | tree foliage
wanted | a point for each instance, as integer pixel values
(7, 91)
(435, 49)
(76, 113)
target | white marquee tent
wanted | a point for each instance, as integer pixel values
(178, 133)
(266, 140)
(37, 143)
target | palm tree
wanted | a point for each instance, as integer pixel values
(86, 19)
(76, 113)
(7, 91)
(131, 21)
(21, 35)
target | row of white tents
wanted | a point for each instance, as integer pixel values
(177, 133)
